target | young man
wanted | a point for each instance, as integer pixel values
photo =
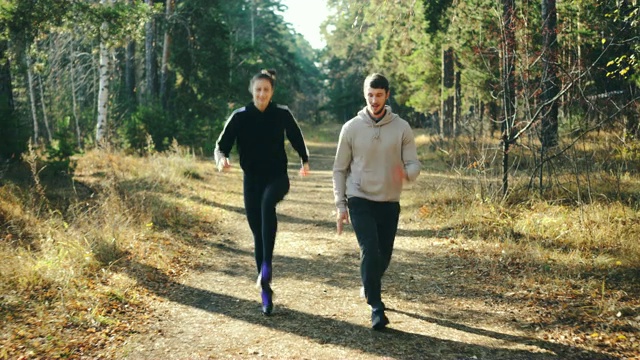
(376, 153)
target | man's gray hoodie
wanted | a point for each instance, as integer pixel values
(367, 154)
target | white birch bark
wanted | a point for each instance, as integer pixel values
(103, 86)
(74, 100)
(32, 98)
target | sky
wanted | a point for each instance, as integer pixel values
(306, 16)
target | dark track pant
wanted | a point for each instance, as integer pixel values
(261, 195)
(375, 224)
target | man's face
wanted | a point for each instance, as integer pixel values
(376, 98)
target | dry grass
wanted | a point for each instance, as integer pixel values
(134, 241)
(61, 263)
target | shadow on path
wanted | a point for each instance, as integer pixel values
(563, 351)
(324, 330)
(329, 224)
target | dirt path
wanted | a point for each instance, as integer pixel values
(439, 308)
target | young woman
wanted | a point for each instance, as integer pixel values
(259, 130)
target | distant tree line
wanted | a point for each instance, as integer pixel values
(74, 73)
(542, 69)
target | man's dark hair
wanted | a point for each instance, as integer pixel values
(376, 81)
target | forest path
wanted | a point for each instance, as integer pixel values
(441, 306)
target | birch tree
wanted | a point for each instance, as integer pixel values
(166, 47)
(508, 86)
(103, 86)
(149, 56)
(32, 99)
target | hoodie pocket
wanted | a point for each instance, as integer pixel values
(370, 183)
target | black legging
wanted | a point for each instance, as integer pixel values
(261, 195)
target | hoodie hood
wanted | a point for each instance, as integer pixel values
(388, 117)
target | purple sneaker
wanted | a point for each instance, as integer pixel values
(267, 293)
(267, 300)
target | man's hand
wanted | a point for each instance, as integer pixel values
(224, 165)
(398, 174)
(304, 169)
(342, 218)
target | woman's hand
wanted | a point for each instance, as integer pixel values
(304, 169)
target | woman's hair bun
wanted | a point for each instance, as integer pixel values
(269, 72)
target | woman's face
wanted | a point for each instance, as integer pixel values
(262, 92)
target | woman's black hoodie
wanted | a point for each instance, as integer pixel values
(259, 137)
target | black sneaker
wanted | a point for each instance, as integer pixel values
(379, 320)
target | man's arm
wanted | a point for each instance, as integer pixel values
(412, 165)
(341, 165)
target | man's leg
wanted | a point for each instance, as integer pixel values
(371, 262)
(388, 215)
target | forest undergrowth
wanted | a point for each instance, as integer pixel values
(76, 245)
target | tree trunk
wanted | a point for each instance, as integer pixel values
(550, 87)
(494, 117)
(32, 99)
(457, 108)
(481, 119)
(74, 88)
(130, 73)
(447, 100)
(253, 22)
(508, 85)
(150, 59)
(74, 101)
(45, 118)
(166, 47)
(103, 87)
(8, 126)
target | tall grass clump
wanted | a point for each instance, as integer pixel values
(575, 233)
(73, 249)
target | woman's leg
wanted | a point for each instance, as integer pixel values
(274, 192)
(253, 191)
